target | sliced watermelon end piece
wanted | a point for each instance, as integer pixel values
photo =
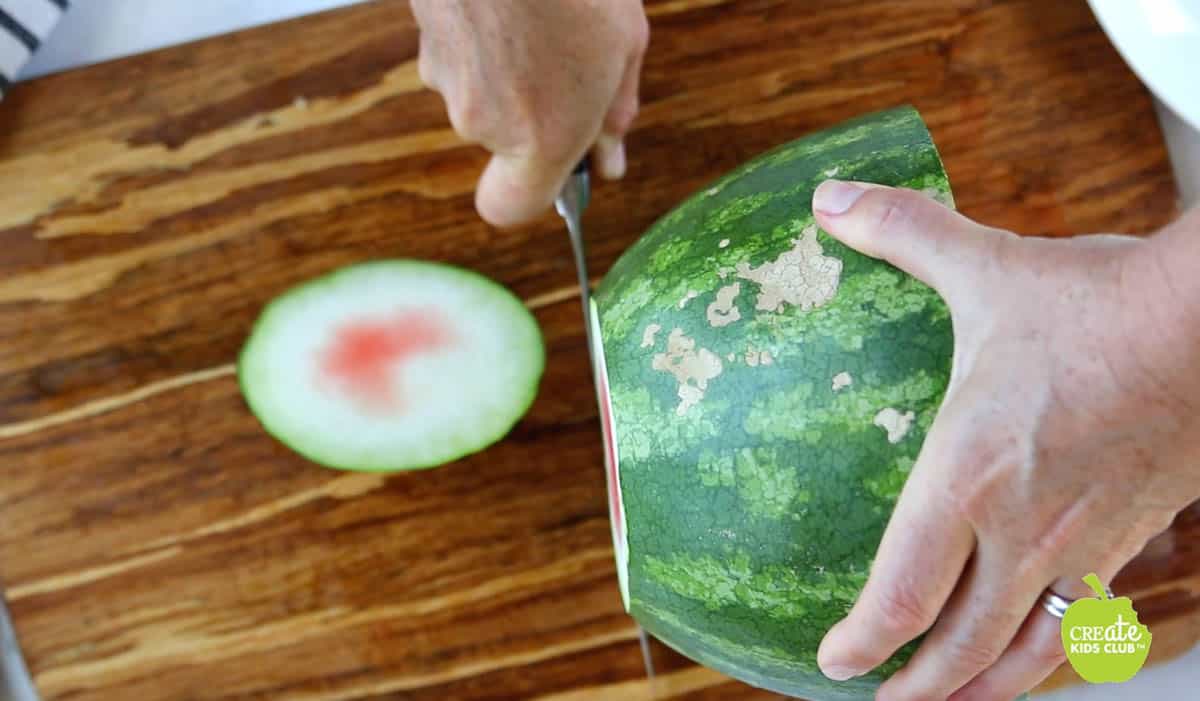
(392, 365)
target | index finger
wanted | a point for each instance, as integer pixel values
(922, 555)
(517, 188)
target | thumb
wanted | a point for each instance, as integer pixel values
(935, 244)
(516, 188)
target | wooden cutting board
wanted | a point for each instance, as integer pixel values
(156, 544)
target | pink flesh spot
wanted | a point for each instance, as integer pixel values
(610, 454)
(364, 354)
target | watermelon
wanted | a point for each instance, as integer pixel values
(392, 365)
(765, 391)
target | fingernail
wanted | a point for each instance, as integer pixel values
(613, 166)
(839, 673)
(616, 168)
(830, 659)
(836, 196)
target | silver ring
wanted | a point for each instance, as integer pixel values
(1057, 605)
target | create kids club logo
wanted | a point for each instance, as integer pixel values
(1102, 637)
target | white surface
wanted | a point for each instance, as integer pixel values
(1183, 143)
(99, 30)
(12, 53)
(38, 16)
(1177, 680)
(1160, 40)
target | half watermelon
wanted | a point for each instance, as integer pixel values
(769, 390)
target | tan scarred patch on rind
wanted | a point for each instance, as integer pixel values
(648, 335)
(723, 243)
(754, 358)
(832, 171)
(692, 368)
(841, 380)
(721, 311)
(803, 276)
(895, 423)
(691, 294)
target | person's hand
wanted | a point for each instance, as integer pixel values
(1067, 439)
(538, 84)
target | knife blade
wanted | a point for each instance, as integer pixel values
(572, 200)
(15, 682)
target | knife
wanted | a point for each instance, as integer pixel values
(572, 200)
(15, 682)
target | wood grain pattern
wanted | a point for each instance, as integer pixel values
(156, 544)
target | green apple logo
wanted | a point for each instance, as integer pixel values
(1102, 637)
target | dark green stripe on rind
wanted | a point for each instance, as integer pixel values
(753, 518)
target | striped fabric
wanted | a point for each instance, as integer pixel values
(24, 24)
